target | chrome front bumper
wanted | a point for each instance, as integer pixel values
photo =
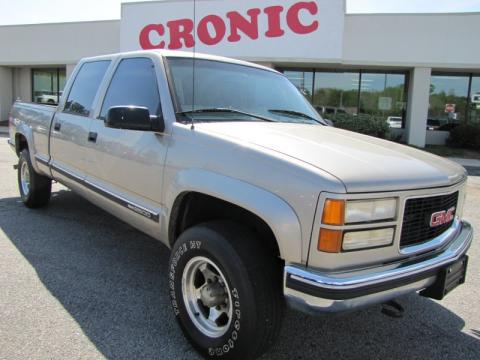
(317, 292)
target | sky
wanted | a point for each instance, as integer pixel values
(45, 11)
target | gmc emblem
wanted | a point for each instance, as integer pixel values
(442, 217)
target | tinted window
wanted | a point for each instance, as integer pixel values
(85, 87)
(134, 83)
(303, 80)
(242, 88)
(336, 90)
(448, 99)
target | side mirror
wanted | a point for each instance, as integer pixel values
(133, 118)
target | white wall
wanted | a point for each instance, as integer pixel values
(57, 44)
(22, 84)
(418, 101)
(406, 40)
(6, 97)
(435, 137)
(414, 40)
(69, 70)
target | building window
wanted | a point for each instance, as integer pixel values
(336, 92)
(384, 95)
(448, 101)
(475, 101)
(303, 80)
(47, 85)
(354, 92)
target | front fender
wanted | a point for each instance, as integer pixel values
(276, 213)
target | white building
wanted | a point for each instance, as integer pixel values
(423, 69)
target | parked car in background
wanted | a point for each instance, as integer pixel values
(260, 201)
(448, 127)
(329, 110)
(394, 122)
(476, 100)
(433, 124)
(48, 99)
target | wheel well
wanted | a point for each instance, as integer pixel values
(194, 208)
(20, 143)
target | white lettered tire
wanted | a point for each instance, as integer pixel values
(225, 289)
(35, 189)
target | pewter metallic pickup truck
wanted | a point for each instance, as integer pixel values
(260, 201)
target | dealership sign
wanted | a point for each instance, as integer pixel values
(269, 30)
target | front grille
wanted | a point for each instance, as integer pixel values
(416, 220)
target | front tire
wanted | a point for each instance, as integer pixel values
(225, 288)
(35, 189)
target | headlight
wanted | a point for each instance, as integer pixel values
(357, 240)
(359, 211)
(335, 241)
(342, 213)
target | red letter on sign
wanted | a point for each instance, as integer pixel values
(218, 25)
(274, 27)
(181, 29)
(238, 22)
(293, 17)
(145, 42)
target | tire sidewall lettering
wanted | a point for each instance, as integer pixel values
(230, 338)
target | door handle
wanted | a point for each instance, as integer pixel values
(92, 137)
(57, 126)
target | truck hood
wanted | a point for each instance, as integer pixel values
(362, 163)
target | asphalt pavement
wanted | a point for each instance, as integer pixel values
(76, 283)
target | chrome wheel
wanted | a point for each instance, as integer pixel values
(25, 178)
(207, 297)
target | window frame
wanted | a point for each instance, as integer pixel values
(469, 76)
(111, 77)
(406, 84)
(171, 82)
(360, 72)
(80, 66)
(57, 70)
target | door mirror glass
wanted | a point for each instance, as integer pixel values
(133, 118)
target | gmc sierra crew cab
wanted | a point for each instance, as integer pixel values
(261, 203)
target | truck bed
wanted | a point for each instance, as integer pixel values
(36, 117)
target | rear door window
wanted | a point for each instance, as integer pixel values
(85, 87)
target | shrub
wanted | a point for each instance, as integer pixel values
(465, 136)
(364, 124)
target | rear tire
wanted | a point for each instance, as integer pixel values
(35, 189)
(220, 271)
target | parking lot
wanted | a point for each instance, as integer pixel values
(76, 283)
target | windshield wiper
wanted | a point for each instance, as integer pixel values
(294, 113)
(224, 110)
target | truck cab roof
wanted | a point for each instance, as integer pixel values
(178, 54)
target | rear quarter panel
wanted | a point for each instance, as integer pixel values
(33, 122)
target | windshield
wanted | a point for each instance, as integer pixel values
(254, 94)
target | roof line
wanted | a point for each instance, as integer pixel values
(417, 14)
(62, 23)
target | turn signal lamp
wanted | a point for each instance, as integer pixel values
(330, 241)
(333, 212)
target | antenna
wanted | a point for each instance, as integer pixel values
(193, 60)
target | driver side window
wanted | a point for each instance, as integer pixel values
(133, 84)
